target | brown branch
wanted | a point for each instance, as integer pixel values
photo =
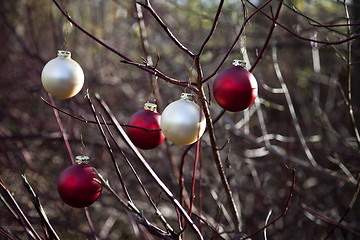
(9, 201)
(48, 229)
(325, 43)
(215, 22)
(267, 41)
(92, 121)
(22, 42)
(353, 200)
(349, 81)
(129, 206)
(146, 46)
(157, 211)
(148, 6)
(219, 165)
(210, 127)
(156, 72)
(284, 158)
(146, 68)
(91, 225)
(118, 172)
(331, 221)
(334, 25)
(245, 22)
(283, 212)
(62, 130)
(6, 233)
(147, 167)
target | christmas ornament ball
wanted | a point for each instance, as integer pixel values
(147, 118)
(62, 77)
(183, 121)
(76, 184)
(235, 88)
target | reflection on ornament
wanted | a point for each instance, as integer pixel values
(62, 77)
(183, 121)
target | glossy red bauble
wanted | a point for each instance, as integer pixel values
(77, 187)
(235, 88)
(146, 118)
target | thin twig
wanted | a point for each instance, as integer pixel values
(219, 165)
(242, 29)
(91, 225)
(334, 25)
(148, 6)
(353, 200)
(200, 191)
(6, 233)
(278, 151)
(148, 168)
(200, 81)
(349, 80)
(64, 135)
(283, 212)
(291, 107)
(82, 119)
(266, 222)
(331, 221)
(118, 172)
(215, 22)
(157, 211)
(66, 140)
(146, 47)
(325, 43)
(267, 41)
(126, 59)
(129, 206)
(192, 194)
(17, 212)
(48, 229)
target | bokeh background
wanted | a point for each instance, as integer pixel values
(301, 117)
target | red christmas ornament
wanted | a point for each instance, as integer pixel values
(76, 185)
(146, 118)
(235, 88)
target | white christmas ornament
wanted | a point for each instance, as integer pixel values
(183, 121)
(62, 77)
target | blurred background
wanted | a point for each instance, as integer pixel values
(300, 120)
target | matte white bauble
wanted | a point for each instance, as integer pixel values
(62, 77)
(183, 121)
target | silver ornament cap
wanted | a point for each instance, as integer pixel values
(187, 96)
(150, 106)
(82, 159)
(64, 54)
(240, 63)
